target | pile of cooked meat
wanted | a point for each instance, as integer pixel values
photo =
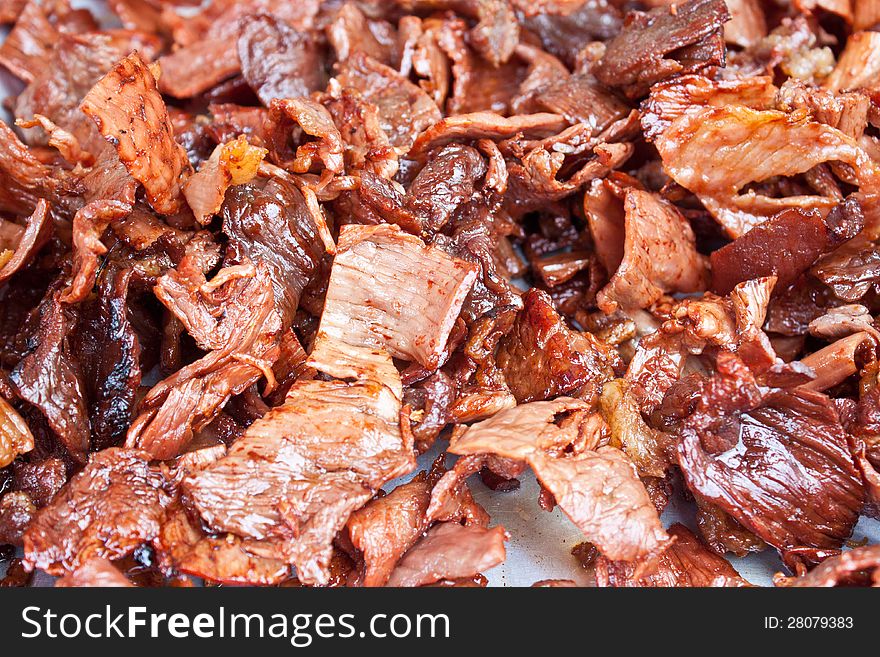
(258, 256)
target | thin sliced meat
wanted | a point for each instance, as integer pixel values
(274, 224)
(648, 448)
(659, 255)
(853, 270)
(227, 559)
(716, 141)
(128, 110)
(40, 480)
(242, 345)
(108, 350)
(404, 109)
(48, 378)
(27, 181)
(565, 30)
(580, 99)
(450, 551)
(89, 225)
(17, 511)
(747, 25)
(304, 467)
(367, 146)
(351, 31)
(596, 487)
(483, 125)
(35, 235)
(663, 42)
(314, 120)
(542, 358)
(690, 94)
(385, 528)
(76, 64)
(834, 364)
(195, 68)
(859, 566)
(786, 245)
(497, 32)
(778, 462)
(686, 563)
(387, 289)
(113, 506)
(277, 60)
(15, 435)
(67, 144)
(858, 65)
(29, 41)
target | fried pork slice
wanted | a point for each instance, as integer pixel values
(315, 121)
(450, 551)
(542, 358)
(233, 163)
(28, 42)
(731, 324)
(367, 147)
(115, 504)
(228, 559)
(785, 246)
(440, 191)
(273, 222)
(497, 32)
(241, 341)
(686, 563)
(484, 125)
(777, 460)
(388, 290)
(650, 450)
(15, 435)
(596, 486)
(194, 69)
(17, 510)
(128, 109)
(47, 377)
(388, 526)
(858, 65)
(659, 255)
(834, 364)
(278, 61)
(27, 180)
(108, 349)
(857, 567)
(97, 572)
(689, 94)
(405, 110)
(89, 225)
(663, 42)
(19, 246)
(853, 270)
(300, 471)
(351, 31)
(704, 152)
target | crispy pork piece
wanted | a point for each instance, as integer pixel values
(596, 486)
(687, 563)
(388, 290)
(128, 109)
(114, 505)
